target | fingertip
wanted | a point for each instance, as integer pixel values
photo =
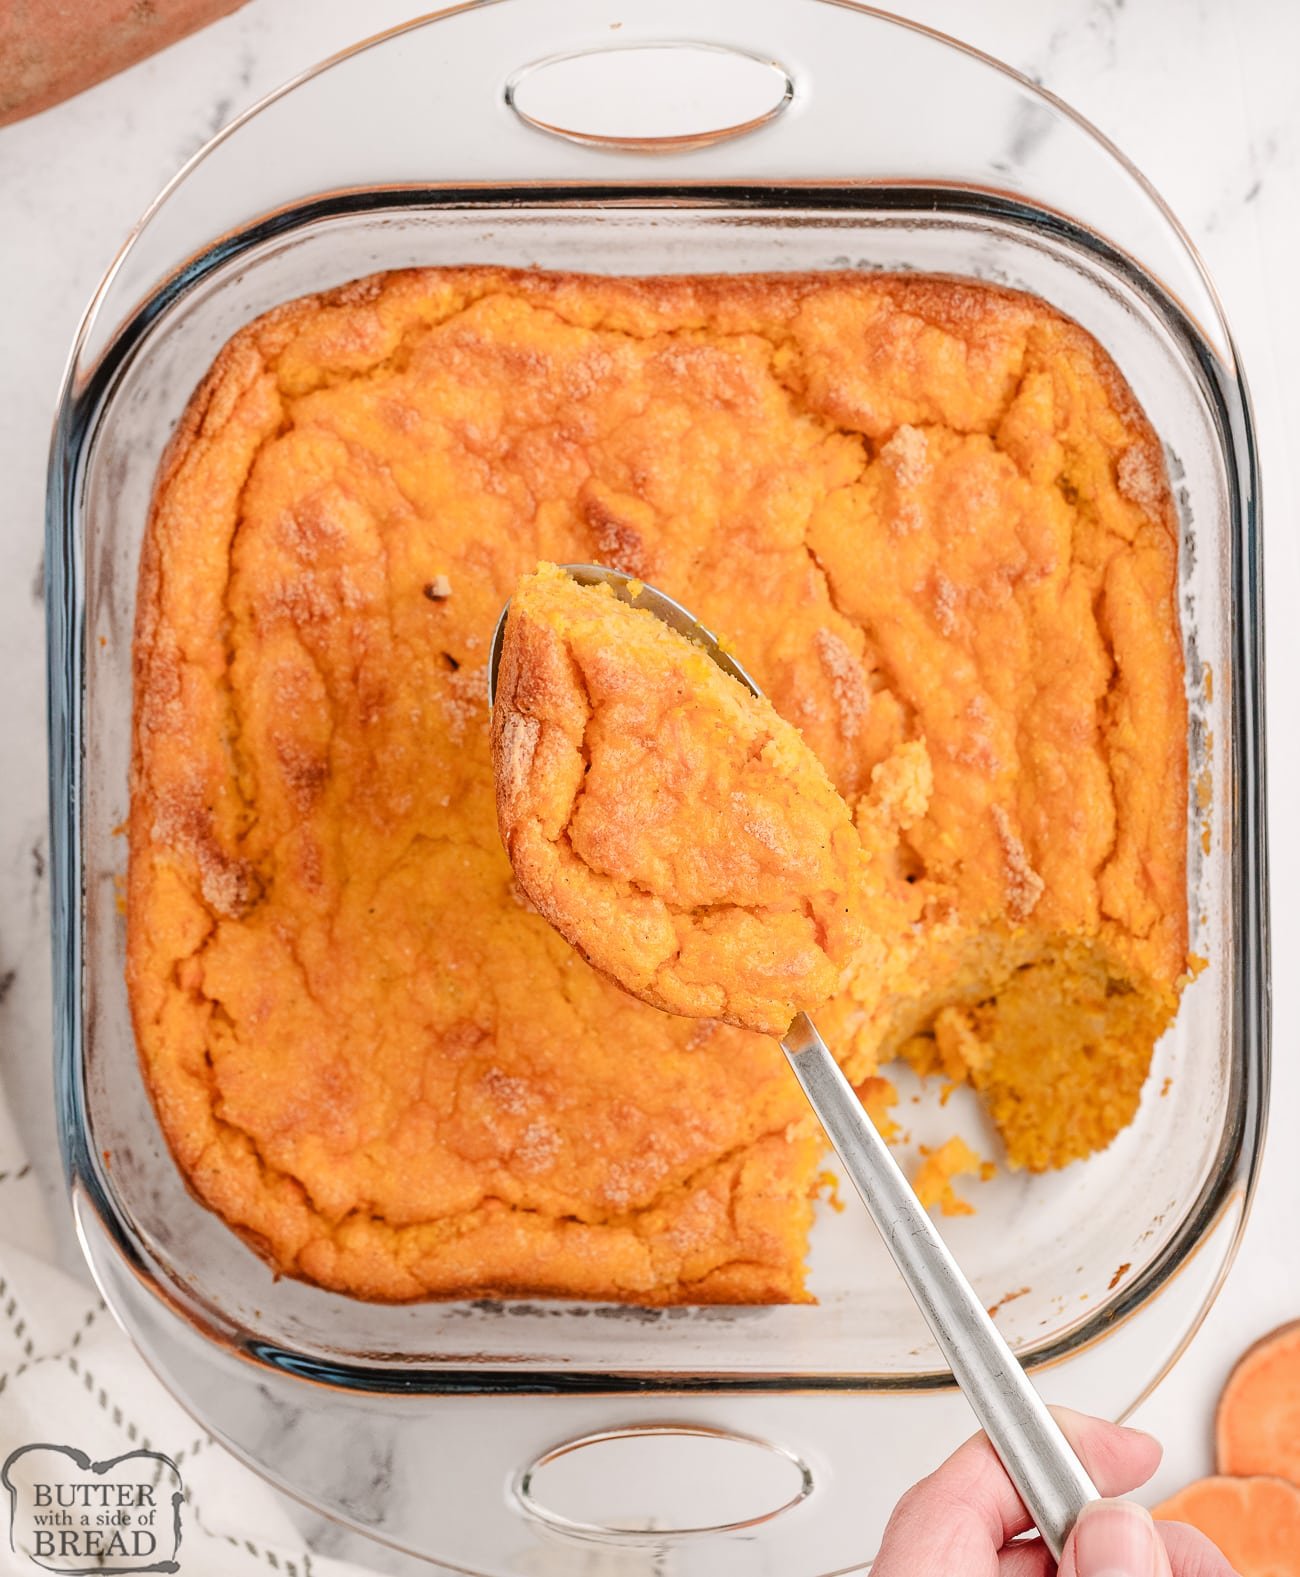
(1114, 1538)
(974, 1484)
(1086, 1423)
(1117, 1458)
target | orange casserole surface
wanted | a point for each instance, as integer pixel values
(936, 528)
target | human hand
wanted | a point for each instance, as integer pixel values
(961, 1520)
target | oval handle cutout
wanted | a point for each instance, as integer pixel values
(650, 98)
(671, 1480)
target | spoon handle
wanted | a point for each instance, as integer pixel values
(1040, 1461)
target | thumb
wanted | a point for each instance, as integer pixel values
(1114, 1538)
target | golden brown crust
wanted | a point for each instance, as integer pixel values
(667, 822)
(932, 519)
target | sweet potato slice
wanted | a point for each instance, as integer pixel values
(49, 52)
(1257, 1428)
(1254, 1521)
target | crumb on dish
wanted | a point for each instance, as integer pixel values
(933, 1180)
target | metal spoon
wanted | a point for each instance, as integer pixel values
(1040, 1461)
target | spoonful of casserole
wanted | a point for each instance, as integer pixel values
(664, 819)
(684, 838)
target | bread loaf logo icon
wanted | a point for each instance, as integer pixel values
(70, 1515)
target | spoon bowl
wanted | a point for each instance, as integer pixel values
(638, 595)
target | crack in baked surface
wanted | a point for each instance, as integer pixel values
(909, 503)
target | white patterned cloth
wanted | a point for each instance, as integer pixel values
(68, 1375)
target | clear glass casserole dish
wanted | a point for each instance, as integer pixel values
(884, 147)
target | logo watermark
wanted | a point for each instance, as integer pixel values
(71, 1516)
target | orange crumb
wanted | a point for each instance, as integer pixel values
(933, 1180)
(828, 1185)
(1007, 1297)
(880, 1096)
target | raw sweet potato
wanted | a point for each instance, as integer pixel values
(1254, 1521)
(51, 49)
(1257, 1429)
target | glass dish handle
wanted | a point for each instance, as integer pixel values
(764, 90)
(650, 98)
(467, 98)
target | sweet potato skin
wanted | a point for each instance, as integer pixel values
(1257, 1424)
(1255, 1522)
(51, 49)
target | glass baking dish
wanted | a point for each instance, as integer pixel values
(410, 150)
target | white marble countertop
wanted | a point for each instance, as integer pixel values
(1200, 94)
